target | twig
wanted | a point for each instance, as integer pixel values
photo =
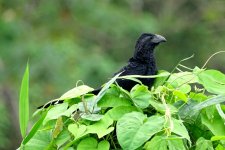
(211, 57)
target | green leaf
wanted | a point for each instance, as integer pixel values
(213, 81)
(104, 89)
(91, 143)
(24, 102)
(134, 129)
(62, 138)
(217, 138)
(156, 143)
(161, 107)
(34, 129)
(165, 143)
(163, 74)
(220, 111)
(60, 110)
(185, 88)
(199, 106)
(55, 112)
(69, 111)
(199, 97)
(131, 78)
(220, 147)
(102, 127)
(215, 124)
(179, 79)
(186, 111)
(180, 129)
(92, 117)
(159, 81)
(141, 96)
(180, 95)
(117, 112)
(203, 144)
(77, 130)
(88, 105)
(112, 98)
(41, 140)
(77, 91)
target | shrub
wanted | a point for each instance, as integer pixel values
(183, 110)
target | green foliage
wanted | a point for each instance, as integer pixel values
(184, 110)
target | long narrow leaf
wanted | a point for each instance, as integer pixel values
(24, 102)
(163, 74)
(212, 101)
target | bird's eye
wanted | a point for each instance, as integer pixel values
(150, 38)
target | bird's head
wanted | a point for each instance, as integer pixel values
(146, 44)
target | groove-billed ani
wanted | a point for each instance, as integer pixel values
(142, 62)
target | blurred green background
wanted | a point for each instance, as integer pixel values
(70, 40)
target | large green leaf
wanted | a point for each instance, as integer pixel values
(213, 81)
(134, 129)
(24, 103)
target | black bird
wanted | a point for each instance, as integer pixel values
(142, 63)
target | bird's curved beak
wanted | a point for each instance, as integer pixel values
(158, 39)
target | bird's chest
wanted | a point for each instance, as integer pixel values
(140, 69)
(137, 69)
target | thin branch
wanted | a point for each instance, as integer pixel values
(211, 57)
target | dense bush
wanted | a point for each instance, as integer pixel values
(183, 110)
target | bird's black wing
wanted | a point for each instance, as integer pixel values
(133, 68)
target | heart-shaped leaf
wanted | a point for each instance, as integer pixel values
(77, 131)
(134, 129)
